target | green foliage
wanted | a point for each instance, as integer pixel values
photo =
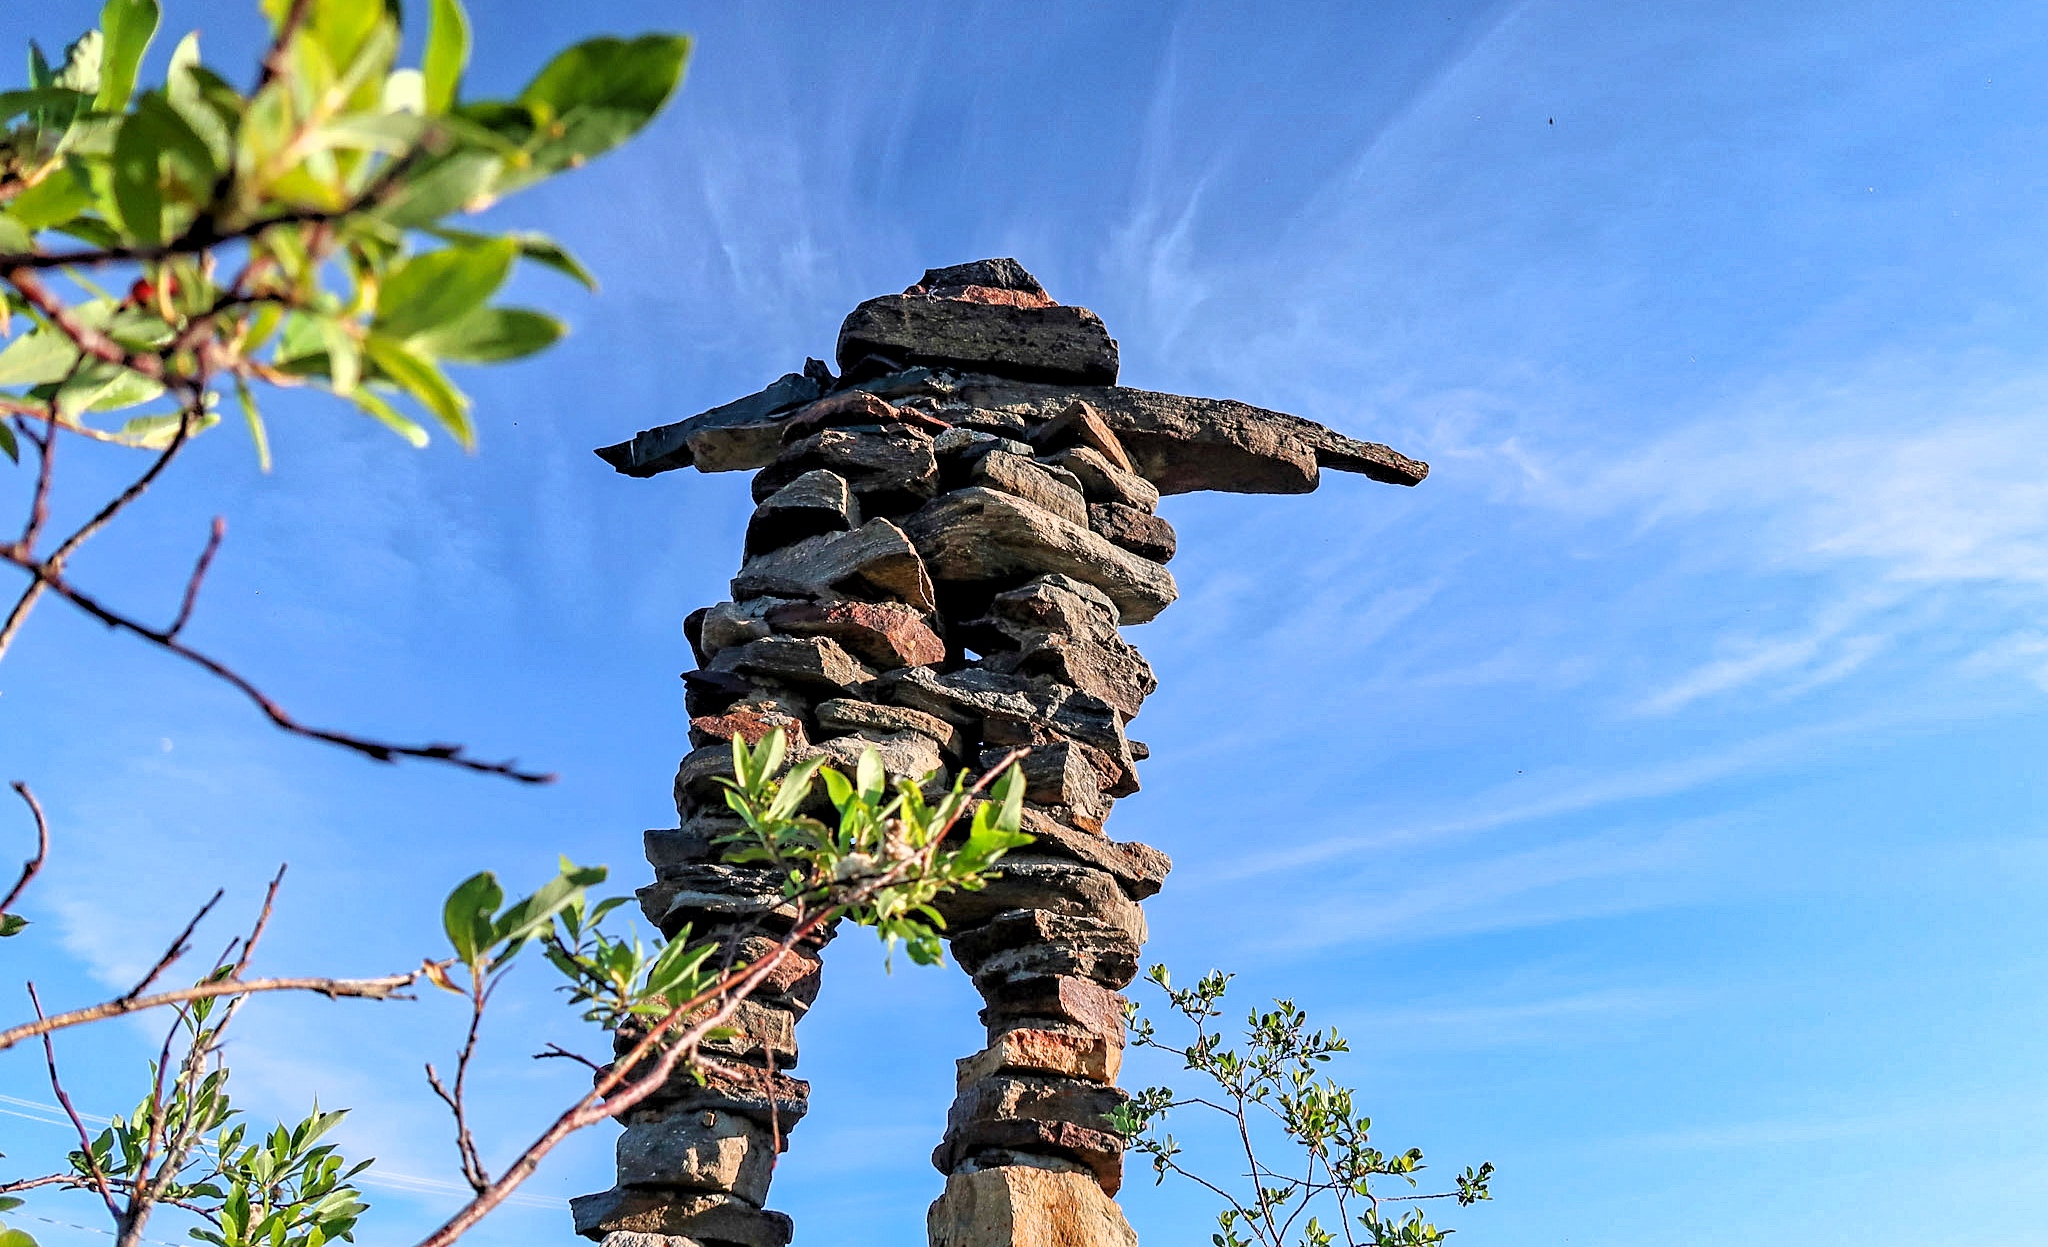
(889, 853)
(1275, 1083)
(295, 233)
(183, 1145)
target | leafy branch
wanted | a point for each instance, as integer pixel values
(297, 234)
(1274, 1083)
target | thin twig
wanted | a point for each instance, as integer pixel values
(92, 1164)
(555, 1051)
(179, 947)
(386, 988)
(53, 566)
(220, 530)
(33, 865)
(262, 922)
(381, 751)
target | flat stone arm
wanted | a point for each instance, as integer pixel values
(1180, 443)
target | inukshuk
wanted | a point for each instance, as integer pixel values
(949, 536)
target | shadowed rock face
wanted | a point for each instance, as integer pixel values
(950, 536)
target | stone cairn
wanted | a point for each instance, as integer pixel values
(950, 534)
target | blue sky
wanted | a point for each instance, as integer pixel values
(1653, 794)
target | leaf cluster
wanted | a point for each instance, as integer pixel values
(185, 1146)
(1275, 1082)
(297, 232)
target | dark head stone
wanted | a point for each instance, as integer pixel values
(998, 274)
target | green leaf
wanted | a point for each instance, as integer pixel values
(37, 358)
(446, 55)
(450, 184)
(466, 916)
(525, 919)
(16, 1238)
(1009, 795)
(157, 151)
(596, 95)
(636, 75)
(62, 100)
(11, 924)
(387, 415)
(437, 287)
(12, 449)
(254, 419)
(533, 245)
(14, 236)
(61, 195)
(128, 26)
(423, 379)
(490, 334)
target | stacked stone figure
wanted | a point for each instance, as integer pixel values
(948, 537)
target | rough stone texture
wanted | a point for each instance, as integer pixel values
(885, 634)
(1146, 536)
(874, 561)
(721, 1219)
(979, 534)
(853, 408)
(1080, 424)
(1058, 627)
(703, 1151)
(815, 503)
(1034, 943)
(912, 755)
(1090, 1006)
(1103, 481)
(1041, 343)
(846, 715)
(1028, 880)
(888, 469)
(817, 661)
(1053, 489)
(1031, 1049)
(950, 537)
(1025, 1206)
(738, 436)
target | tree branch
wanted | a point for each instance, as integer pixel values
(386, 988)
(92, 1164)
(199, 569)
(377, 750)
(179, 947)
(33, 865)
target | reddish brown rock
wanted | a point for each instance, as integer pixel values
(1090, 1006)
(885, 634)
(856, 407)
(750, 721)
(1082, 425)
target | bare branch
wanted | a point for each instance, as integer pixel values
(388, 987)
(555, 1051)
(92, 1164)
(277, 59)
(33, 865)
(54, 565)
(220, 530)
(377, 750)
(179, 947)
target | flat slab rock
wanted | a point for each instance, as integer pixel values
(1179, 443)
(979, 534)
(1050, 343)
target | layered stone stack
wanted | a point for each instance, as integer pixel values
(948, 537)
